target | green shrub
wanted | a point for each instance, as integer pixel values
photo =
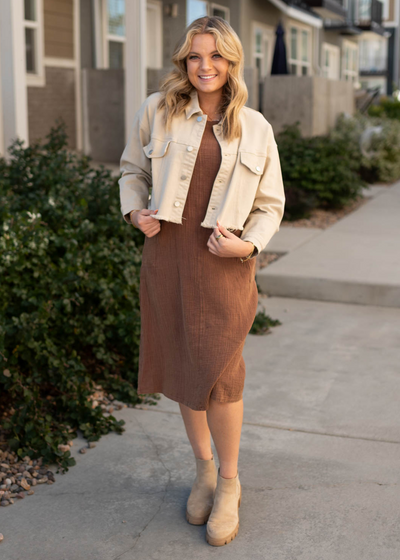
(318, 171)
(69, 303)
(263, 323)
(380, 160)
(388, 107)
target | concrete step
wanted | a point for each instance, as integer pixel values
(357, 260)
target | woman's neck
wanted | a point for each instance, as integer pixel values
(210, 103)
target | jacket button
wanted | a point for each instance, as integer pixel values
(183, 177)
(151, 151)
(199, 119)
(258, 168)
(189, 148)
(177, 203)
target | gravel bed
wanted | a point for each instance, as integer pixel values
(264, 259)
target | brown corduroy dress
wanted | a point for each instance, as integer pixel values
(196, 308)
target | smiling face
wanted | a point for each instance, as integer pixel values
(207, 69)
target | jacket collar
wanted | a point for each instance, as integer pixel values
(193, 106)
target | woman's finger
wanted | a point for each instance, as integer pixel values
(213, 242)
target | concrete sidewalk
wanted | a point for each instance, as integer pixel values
(319, 460)
(357, 260)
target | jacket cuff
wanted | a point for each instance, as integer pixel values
(257, 246)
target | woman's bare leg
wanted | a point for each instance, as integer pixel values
(225, 423)
(197, 431)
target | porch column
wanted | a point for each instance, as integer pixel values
(13, 73)
(135, 60)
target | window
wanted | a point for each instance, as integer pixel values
(154, 35)
(299, 50)
(385, 9)
(263, 44)
(115, 33)
(221, 11)
(350, 61)
(373, 54)
(200, 8)
(330, 61)
(33, 27)
(195, 9)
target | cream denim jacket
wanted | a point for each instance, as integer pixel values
(247, 193)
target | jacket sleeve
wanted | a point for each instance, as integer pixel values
(135, 167)
(269, 203)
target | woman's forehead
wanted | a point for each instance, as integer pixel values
(204, 42)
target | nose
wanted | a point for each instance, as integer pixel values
(205, 64)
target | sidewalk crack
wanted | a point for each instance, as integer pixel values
(165, 491)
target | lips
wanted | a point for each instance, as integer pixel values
(208, 78)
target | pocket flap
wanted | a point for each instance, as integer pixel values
(156, 148)
(254, 162)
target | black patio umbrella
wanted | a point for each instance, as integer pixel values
(279, 64)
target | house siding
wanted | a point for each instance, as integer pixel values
(58, 28)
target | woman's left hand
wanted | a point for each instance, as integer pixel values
(230, 245)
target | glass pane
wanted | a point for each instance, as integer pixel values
(30, 50)
(30, 12)
(116, 54)
(304, 70)
(258, 41)
(304, 45)
(116, 17)
(293, 43)
(220, 13)
(195, 9)
(258, 64)
(326, 58)
(293, 69)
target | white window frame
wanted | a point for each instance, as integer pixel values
(219, 7)
(299, 62)
(353, 74)
(268, 30)
(107, 37)
(333, 49)
(104, 60)
(385, 10)
(157, 6)
(209, 8)
(36, 79)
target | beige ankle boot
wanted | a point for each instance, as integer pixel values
(200, 501)
(223, 523)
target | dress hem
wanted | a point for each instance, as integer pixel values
(186, 403)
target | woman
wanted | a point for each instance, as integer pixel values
(198, 294)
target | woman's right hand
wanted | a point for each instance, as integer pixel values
(143, 221)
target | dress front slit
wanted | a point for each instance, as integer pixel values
(196, 307)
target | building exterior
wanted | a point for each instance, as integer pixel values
(92, 62)
(40, 69)
(372, 27)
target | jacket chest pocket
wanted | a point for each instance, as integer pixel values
(157, 151)
(156, 148)
(253, 162)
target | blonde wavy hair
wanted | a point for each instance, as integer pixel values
(176, 87)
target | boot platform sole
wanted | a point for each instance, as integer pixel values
(197, 520)
(225, 540)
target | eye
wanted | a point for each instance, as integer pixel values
(192, 56)
(218, 55)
